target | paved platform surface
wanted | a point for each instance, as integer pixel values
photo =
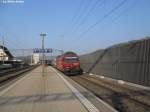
(35, 93)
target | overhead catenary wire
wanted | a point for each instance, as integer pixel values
(96, 3)
(104, 17)
(133, 4)
(75, 16)
(77, 11)
(80, 15)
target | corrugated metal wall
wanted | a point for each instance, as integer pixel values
(127, 61)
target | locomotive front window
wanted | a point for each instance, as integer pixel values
(71, 59)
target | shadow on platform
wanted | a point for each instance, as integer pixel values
(15, 100)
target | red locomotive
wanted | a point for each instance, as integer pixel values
(69, 63)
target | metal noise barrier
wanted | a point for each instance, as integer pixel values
(127, 61)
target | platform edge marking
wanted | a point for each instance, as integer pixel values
(125, 82)
(90, 107)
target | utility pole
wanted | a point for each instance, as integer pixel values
(43, 36)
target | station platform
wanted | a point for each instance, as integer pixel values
(37, 93)
(49, 92)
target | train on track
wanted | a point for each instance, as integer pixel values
(68, 63)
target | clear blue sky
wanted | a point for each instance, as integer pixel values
(22, 23)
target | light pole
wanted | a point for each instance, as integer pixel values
(42, 36)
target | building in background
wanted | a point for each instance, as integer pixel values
(36, 58)
(5, 55)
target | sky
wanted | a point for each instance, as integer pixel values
(82, 26)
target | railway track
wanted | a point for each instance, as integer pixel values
(121, 98)
(11, 74)
(11, 70)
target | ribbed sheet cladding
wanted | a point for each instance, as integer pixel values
(127, 61)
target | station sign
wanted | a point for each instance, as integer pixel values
(40, 50)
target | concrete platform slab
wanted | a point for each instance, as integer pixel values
(37, 93)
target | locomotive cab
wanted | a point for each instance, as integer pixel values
(69, 63)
